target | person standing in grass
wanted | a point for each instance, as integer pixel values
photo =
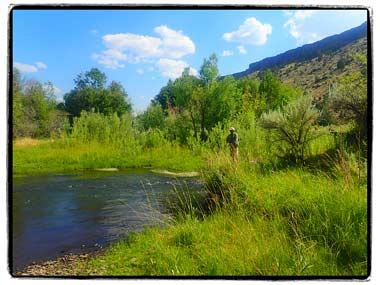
(233, 143)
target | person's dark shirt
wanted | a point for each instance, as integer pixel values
(233, 138)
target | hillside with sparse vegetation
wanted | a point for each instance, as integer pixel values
(316, 75)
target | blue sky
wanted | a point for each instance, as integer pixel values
(143, 49)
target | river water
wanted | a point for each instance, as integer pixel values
(57, 214)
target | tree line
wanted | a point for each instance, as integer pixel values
(37, 113)
(190, 107)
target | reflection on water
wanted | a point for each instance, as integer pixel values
(58, 214)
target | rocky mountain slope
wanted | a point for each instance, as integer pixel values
(314, 67)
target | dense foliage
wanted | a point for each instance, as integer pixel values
(295, 204)
(91, 93)
(294, 126)
(34, 108)
(198, 105)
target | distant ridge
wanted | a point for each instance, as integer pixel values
(307, 52)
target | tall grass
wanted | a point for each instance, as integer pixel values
(285, 223)
(260, 217)
(98, 141)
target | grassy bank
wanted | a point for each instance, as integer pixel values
(264, 220)
(285, 223)
(39, 156)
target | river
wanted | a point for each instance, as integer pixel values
(56, 214)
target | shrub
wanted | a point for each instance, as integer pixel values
(347, 101)
(293, 126)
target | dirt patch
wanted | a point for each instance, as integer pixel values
(30, 142)
(68, 265)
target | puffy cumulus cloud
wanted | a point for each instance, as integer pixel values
(134, 48)
(227, 53)
(140, 46)
(251, 32)
(140, 71)
(25, 68)
(173, 68)
(242, 49)
(174, 44)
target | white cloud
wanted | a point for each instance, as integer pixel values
(94, 31)
(41, 65)
(140, 71)
(107, 61)
(307, 26)
(114, 53)
(295, 25)
(251, 32)
(25, 68)
(173, 68)
(174, 43)
(227, 53)
(134, 48)
(242, 49)
(29, 68)
(140, 46)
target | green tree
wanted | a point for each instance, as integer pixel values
(39, 107)
(271, 91)
(17, 104)
(205, 101)
(93, 78)
(153, 117)
(251, 97)
(225, 102)
(91, 93)
(35, 112)
(209, 70)
(166, 96)
(347, 100)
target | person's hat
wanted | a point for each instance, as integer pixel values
(232, 129)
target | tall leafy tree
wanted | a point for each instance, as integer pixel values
(153, 117)
(17, 103)
(166, 96)
(93, 78)
(90, 93)
(209, 70)
(35, 112)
